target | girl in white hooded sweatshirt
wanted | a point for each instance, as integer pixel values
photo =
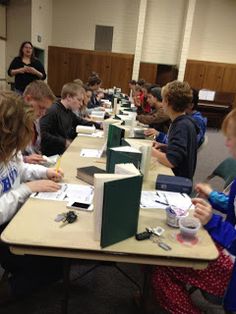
(17, 181)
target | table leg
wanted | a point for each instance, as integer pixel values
(66, 285)
(146, 288)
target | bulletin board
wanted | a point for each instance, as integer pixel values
(3, 22)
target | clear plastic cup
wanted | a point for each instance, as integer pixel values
(189, 227)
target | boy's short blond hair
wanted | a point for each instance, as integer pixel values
(16, 125)
(231, 116)
(39, 90)
(178, 95)
(71, 89)
(79, 82)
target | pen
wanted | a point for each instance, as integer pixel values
(161, 203)
(165, 198)
(58, 164)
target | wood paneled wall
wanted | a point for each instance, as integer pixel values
(148, 72)
(67, 64)
(220, 77)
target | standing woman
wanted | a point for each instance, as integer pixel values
(26, 68)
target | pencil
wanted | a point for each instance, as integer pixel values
(58, 164)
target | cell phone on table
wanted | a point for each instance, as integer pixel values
(80, 206)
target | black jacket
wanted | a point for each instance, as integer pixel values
(182, 146)
(58, 125)
(23, 79)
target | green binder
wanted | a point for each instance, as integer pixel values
(118, 155)
(115, 135)
(120, 209)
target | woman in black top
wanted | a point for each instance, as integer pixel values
(26, 68)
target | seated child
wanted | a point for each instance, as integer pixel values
(17, 181)
(40, 97)
(170, 282)
(181, 151)
(157, 118)
(58, 125)
(196, 115)
(222, 230)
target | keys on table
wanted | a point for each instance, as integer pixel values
(66, 218)
(60, 217)
(156, 239)
(155, 235)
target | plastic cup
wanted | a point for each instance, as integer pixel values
(189, 227)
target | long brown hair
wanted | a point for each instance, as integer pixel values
(21, 54)
(16, 125)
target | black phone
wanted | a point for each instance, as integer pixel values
(79, 205)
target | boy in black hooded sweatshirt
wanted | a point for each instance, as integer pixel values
(180, 153)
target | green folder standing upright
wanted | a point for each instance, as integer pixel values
(120, 209)
(115, 135)
(122, 155)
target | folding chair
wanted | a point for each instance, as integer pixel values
(225, 170)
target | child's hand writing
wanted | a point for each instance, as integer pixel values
(55, 174)
(43, 186)
(203, 210)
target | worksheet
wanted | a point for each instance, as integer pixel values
(163, 199)
(68, 192)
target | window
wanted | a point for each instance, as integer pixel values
(103, 38)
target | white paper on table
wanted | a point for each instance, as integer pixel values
(180, 200)
(95, 134)
(87, 152)
(162, 199)
(68, 192)
(148, 200)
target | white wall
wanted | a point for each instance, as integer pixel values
(18, 27)
(74, 23)
(42, 25)
(213, 36)
(163, 31)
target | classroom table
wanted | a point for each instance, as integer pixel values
(34, 231)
